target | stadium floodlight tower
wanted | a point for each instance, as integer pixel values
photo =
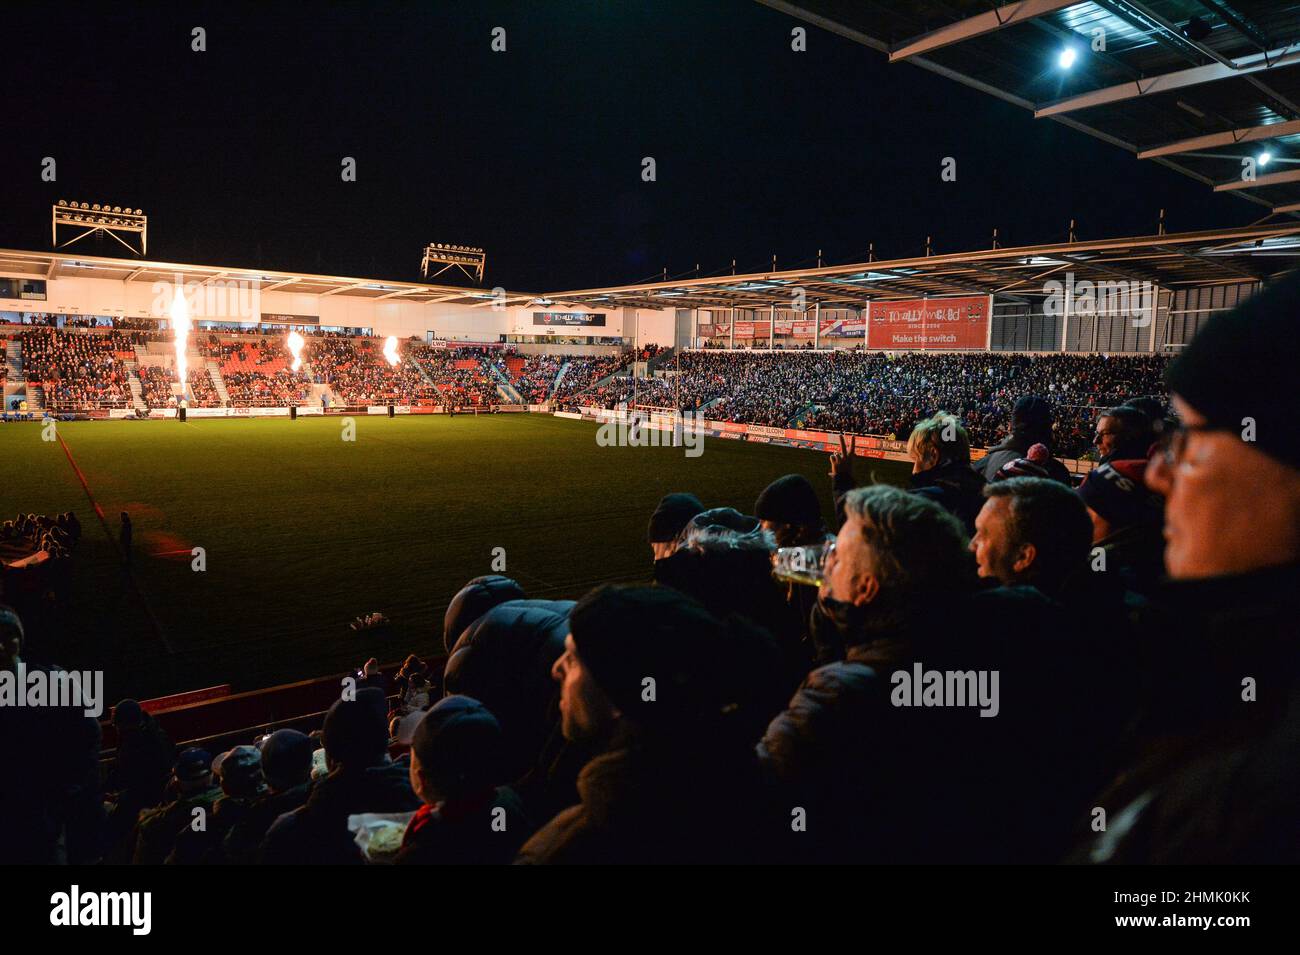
(101, 218)
(469, 260)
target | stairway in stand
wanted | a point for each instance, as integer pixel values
(219, 383)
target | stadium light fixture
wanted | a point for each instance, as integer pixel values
(1067, 57)
(1264, 158)
(470, 260)
(99, 218)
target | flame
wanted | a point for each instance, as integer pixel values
(295, 342)
(390, 350)
(181, 325)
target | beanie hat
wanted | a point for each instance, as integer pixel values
(286, 758)
(355, 731)
(1118, 493)
(240, 771)
(672, 514)
(1242, 363)
(458, 745)
(625, 636)
(473, 600)
(1031, 411)
(789, 500)
(1033, 464)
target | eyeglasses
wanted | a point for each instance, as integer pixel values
(1172, 441)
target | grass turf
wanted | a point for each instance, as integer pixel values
(303, 531)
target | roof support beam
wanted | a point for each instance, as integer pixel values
(1168, 35)
(1178, 79)
(1231, 137)
(1009, 14)
(1259, 182)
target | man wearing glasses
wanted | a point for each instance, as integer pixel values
(1214, 775)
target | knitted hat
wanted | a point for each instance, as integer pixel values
(673, 513)
(1117, 492)
(286, 758)
(656, 653)
(789, 500)
(1239, 370)
(1033, 464)
(458, 746)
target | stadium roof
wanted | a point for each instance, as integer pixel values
(56, 265)
(1246, 253)
(1196, 85)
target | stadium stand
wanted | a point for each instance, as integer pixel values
(779, 693)
(876, 393)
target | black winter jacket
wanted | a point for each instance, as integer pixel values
(503, 659)
(1213, 770)
(884, 782)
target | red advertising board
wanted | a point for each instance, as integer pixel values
(930, 323)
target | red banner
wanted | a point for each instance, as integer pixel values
(930, 323)
(843, 327)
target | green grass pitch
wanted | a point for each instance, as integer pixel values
(303, 531)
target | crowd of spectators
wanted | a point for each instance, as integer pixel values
(584, 372)
(77, 371)
(359, 374)
(978, 668)
(880, 394)
(463, 375)
(536, 377)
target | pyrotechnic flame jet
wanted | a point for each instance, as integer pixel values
(181, 325)
(295, 343)
(390, 350)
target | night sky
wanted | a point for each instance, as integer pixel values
(535, 154)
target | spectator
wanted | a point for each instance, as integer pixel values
(1123, 433)
(468, 817)
(670, 517)
(1213, 772)
(473, 600)
(1033, 464)
(286, 766)
(503, 659)
(789, 509)
(239, 772)
(362, 778)
(191, 788)
(1127, 522)
(145, 756)
(50, 808)
(1034, 532)
(881, 781)
(670, 742)
(940, 451)
(1031, 423)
